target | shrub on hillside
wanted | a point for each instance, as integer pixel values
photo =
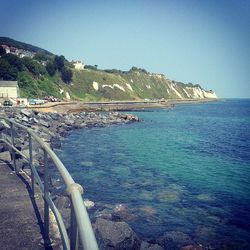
(66, 75)
(59, 62)
(51, 68)
(33, 67)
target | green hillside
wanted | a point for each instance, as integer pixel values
(45, 74)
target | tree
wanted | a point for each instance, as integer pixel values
(51, 68)
(33, 66)
(91, 67)
(41, 56)
(7, 71)
(66, 75)
(59, 62)
(14, 61)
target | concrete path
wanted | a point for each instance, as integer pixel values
(20, 220)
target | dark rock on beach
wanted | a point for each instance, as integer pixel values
(115, 235)
(174, 240)
(148, 246)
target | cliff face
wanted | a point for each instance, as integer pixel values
(132, 85)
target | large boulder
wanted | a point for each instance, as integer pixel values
(55, 142)
(174, 240)
(26, 112)
(115, 235)
(121, 213)
(192, 247)
(148, 246)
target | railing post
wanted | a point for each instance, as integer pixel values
(13, 153)
(73, 229)
(31, 165)
(46, 205)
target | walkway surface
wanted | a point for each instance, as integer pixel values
(20, 220)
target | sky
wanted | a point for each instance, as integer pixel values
(205, 42)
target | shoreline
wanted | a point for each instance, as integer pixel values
(74, 106)
(52, 127)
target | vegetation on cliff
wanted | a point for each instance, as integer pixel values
(44, 74)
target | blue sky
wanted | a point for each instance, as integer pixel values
(204, 42)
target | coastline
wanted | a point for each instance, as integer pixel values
(74, 106)
(53, 127)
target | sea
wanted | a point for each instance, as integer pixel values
(184, 171)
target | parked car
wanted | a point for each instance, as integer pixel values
(36, 101)
(7, 103)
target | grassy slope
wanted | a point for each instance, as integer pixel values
(144, 85)
(39, 87)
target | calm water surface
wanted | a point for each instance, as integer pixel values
(186, 169)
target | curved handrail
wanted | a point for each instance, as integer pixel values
(80, 222)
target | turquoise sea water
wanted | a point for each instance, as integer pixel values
(185, 170)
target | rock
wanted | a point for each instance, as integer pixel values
(17, 155)
(192, 247)
(174, 240)
(40, 115)
(45, 136)
(35, 120)
(104, 214)
(121, 213)
(5, 156)
(27, 171)
(25, 119)
(62, 132)
(130, 117)
(55, 142)
(65, 212)
(26, 112)
(62, 202)
(88, 204)
(3, 125)
(115, 235)
(44, 123)
(24, 165)
(148, 246)
(3, 147)
(69, 122)
(57, 183)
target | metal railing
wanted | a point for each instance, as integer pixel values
(80, 225)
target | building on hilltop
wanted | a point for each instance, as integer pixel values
(7, 49)
(18, 52)
(78, 65)
(9, 89)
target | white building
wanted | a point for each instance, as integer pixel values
(78, 65)
(9, 89)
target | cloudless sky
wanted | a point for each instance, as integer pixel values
(198, 41)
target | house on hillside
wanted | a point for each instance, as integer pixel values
(6, 47)
(78, 65)
(18, 52)
(9, 89)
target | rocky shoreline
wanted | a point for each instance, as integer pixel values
(112, 232)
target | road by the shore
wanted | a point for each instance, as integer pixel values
(76, 106)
